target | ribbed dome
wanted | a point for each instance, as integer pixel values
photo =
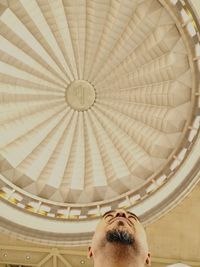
(96, 98)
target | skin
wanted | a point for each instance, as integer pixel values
(117, 254)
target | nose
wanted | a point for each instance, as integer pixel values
(121, 213)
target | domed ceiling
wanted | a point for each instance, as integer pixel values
(99, 107)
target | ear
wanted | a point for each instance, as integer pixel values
(90, 254)
(148, 259)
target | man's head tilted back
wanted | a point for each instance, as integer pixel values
(119, 240)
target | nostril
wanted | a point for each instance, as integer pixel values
(121, 214)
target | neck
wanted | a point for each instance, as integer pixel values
(121, 256)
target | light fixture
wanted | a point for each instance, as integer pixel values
(82, 261)
(28, 257)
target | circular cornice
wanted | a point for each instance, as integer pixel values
(109, 120)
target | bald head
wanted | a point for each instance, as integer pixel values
(119, 240)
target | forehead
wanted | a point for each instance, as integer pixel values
(128, 212)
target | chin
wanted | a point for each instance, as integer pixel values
(120, 235)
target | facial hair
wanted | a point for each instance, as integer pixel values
(120, 237)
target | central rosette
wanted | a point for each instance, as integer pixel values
(80, 95)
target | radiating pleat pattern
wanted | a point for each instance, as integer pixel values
(132, 54)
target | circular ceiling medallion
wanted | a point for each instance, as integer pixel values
(99, 107)
(80, 95)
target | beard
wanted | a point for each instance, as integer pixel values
(120, 237)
